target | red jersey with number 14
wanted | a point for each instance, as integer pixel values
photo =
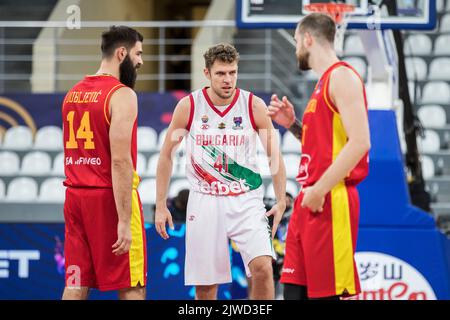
(86, 122)
(324, 136)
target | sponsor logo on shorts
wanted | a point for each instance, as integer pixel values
(222, 189)
(303, 169)
(191, 217)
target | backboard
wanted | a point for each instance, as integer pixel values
(412, 14)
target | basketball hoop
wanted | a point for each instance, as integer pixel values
(339, 12)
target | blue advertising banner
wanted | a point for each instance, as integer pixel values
(32, 265)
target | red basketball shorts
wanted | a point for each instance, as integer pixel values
(90, 231)
(320, 246)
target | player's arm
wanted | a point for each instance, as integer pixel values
(346, 91)
(282, 112)
(175, 132)
(123, 111)
(269, 139)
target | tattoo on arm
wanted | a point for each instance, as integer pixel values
(296, 129)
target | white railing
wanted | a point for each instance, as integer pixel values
(158, 46)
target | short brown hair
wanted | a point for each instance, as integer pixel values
(319, 25)
(223, 52)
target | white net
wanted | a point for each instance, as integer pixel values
(340, 13)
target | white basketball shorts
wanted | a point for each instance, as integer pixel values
(211, 221)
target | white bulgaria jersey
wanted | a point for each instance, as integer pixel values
(221, 146)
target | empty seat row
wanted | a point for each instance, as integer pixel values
(433, 92)
(25, 189)
(38, 163)
(422, 45)
(35, 163)
(49, 138)
(21, 138)
(415, 44)
(417, 69)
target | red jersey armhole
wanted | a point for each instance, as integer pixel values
(250, 111)
(107, 99)
(191, 113)
(326, 94)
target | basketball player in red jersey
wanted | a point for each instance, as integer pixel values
(105, 245)
(321, 240)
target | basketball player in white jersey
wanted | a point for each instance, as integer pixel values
(221, 125)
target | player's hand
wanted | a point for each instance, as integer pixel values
(313, 199)
(281, 111)
(277, 212)
(123, 242)
(163, 216)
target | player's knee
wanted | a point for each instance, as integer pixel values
(75, 293)
(134, 293)
(205, 292)
(261, 269)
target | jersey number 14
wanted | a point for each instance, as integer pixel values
(84, 132)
